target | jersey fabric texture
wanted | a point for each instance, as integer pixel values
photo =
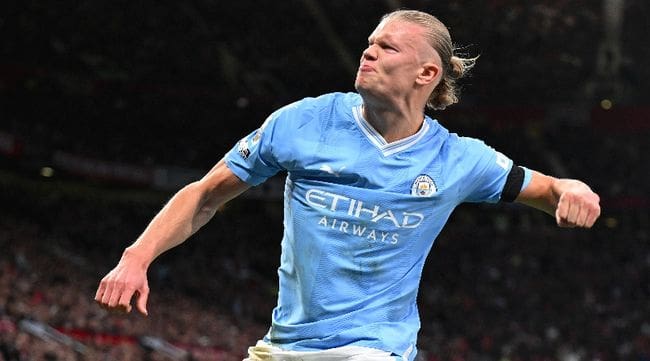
(360, 217)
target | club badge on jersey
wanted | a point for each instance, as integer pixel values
(423, 186)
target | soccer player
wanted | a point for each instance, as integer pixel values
(371, 182)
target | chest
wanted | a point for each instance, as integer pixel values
(356, 163)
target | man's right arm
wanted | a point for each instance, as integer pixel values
(187, 211)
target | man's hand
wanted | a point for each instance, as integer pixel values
(578, 206)
(127, 279)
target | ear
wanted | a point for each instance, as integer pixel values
(429, 73)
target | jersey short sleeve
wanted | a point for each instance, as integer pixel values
(259, 155)
(487, 170)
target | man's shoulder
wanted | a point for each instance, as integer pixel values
(457, 142)
(322, 108)
(457, 148)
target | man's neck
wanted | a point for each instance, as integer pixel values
(393, 123)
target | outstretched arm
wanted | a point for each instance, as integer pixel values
(570, 201)
(187, 211)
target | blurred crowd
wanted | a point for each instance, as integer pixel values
(149, 83)
(501, 283)
(51, 265)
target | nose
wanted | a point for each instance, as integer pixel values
(370, 53)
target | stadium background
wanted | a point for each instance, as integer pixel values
(106, 108)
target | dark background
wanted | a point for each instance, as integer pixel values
(98, 98)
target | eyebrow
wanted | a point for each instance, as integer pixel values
(385, 38)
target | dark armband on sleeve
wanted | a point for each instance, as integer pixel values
(513, 184)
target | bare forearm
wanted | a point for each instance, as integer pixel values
(181, 217)
(188, 210)
(539, 193)
(570, 201)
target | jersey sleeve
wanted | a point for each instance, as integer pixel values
(262, 153)
(488, 171)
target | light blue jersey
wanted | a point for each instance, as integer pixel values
(360, 218)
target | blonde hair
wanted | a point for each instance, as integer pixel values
(454, 67)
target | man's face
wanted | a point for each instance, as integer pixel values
(393, 60)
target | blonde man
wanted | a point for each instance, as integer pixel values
(371, 182)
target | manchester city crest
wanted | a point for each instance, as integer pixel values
(423, 186)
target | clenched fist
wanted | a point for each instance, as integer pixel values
(578, 206)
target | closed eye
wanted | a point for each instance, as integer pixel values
(389, 48)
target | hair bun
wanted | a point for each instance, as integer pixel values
(446, 93)
(460, 66)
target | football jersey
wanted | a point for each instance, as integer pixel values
(360, 217)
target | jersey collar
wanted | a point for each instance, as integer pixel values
(378, 141)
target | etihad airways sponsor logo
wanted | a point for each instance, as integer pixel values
(356, 208)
